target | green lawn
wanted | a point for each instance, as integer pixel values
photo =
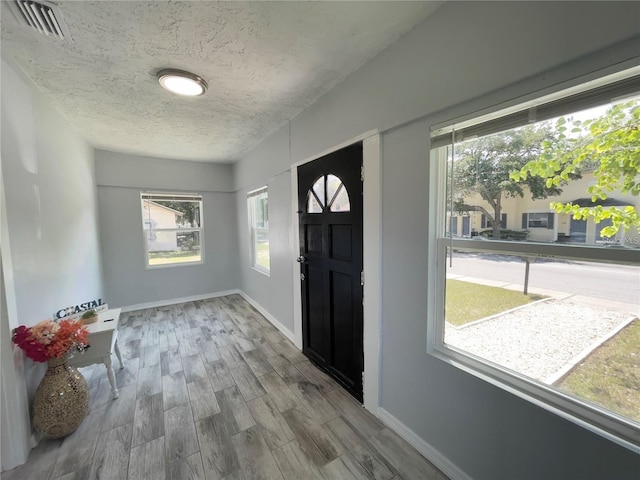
(263, 254)
(165, 257)
(610, 375)
(467, 302)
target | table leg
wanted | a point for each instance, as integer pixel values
(112, 377)
(118, 355)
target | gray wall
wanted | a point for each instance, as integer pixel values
(128, 282)
(268, 165)
(466, 57)
(269, 290)
(50, 244)
(50, 191)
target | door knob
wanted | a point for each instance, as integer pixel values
(301, 259)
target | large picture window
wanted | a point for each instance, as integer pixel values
(258, 208)
(546, 308)
(172, 226)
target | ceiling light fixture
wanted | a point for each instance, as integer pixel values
(181, 82)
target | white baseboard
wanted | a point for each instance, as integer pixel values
(284, 330)
(174, 301)
(434, 456)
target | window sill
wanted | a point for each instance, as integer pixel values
(174, 265)
(613, 427)
(262, 270)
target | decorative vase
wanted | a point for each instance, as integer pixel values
(61, 401)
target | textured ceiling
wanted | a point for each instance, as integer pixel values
(264, 62)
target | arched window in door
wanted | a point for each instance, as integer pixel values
(328, 193)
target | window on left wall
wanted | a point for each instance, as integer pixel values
(258, 209)
(172, 227)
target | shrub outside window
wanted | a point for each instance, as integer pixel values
(545, 308)
(258, 208)
(172, 227)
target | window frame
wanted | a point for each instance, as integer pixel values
(327, 202)
(546, 220)
(160, 196)
(252, 196)
(485, 223)
(590, 416)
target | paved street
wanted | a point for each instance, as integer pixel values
(618, 283)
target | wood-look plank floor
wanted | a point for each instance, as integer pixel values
(212, 391)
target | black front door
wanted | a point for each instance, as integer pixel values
(330, 210)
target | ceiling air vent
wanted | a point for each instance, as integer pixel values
(43, 16)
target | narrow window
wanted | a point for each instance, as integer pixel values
(258, 209)
(172, 227)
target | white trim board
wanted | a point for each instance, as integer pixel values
(16, 439)
(372, 267)
(445, 465)
(284, 330)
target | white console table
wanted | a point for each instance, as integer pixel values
(103, 338)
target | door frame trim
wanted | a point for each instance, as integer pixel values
(17, 439)
(371, 255)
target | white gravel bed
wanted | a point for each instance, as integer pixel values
(537, 340)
